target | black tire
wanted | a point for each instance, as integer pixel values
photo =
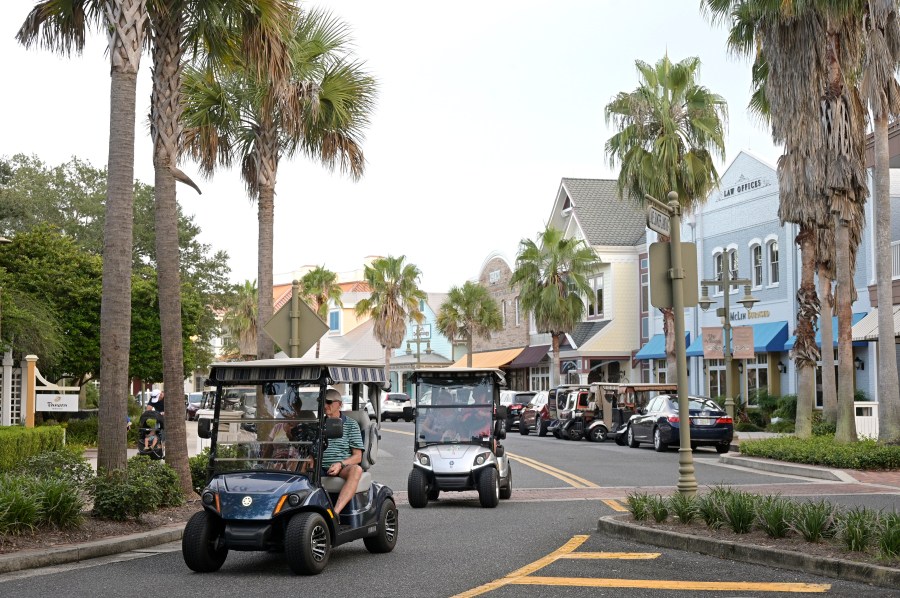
(597, 434)
(541, 427)
(201, 544)
(620, 439)
(434, 492)
(630, 438)
(488, 488)
(722, 448)
(393, 419)
(388, 526)
(307, 543)
(506, 491)
(523, 428)
(417, 489)
(658, 445)
(574, 433)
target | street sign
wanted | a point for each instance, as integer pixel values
(311, 328)
(661, 283)
(658, 221)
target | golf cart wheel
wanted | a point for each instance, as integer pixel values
(200, 544)
(541, 427)
(631, 441)
(597, 434)
(388, 522)
(393, 419)
(506, 491)
(573, 433)
(488, 488)
(523, 428)
(307, 543)
(417, 489)
(433, 492)
(722, 448)
(658, 445)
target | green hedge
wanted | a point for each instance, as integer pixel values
(823, 450)
(18, 444)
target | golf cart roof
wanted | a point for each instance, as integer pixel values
(457, 372)
(308, 371)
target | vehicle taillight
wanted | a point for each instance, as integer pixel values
(545, 413)
(724, 420)
(673, 419)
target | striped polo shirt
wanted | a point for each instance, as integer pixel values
(339, 448)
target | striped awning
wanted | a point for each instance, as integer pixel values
(867, 328)
(296, 370)
(488, 359)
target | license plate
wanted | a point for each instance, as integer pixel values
(704, 421)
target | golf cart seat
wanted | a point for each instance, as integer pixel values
(369, 431)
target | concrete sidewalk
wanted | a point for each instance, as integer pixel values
(190, 432)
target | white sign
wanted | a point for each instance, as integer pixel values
(56, 402)
(658, 221)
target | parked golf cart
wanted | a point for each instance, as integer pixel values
(623, 401)
(458, 427)
(265, 491)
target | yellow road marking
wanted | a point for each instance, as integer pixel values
(615, 505)
(569, 478)
(662, 584)
(612, 555)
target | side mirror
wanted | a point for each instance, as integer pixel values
(334, 427)
(203, 427)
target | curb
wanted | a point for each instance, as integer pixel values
(806, 471)
(33, 559)
(757, 555)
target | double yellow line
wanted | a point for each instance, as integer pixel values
(569, 478)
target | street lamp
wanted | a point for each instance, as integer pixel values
(705, 302)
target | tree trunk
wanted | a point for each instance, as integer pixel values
(265, 347)
(805, 351)
(846, 420)
(554, 369)
(668, 315)
(469, 350)
(125, 21)
(387, 366)
(829, 384)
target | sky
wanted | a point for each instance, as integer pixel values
(482, 108)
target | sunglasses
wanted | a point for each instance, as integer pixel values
(330, 401)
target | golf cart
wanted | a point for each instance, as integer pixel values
(265, 489)
(624, 400)
(458, 426)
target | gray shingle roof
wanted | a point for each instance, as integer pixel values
(585, 331)
(606, 219)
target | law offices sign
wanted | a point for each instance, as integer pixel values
(743, 185)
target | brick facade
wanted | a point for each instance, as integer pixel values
(495, 276)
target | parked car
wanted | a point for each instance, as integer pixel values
(659, 423)
(396, 405)
(536, 415)
(515, 401)
(347, 405)
(194, 399)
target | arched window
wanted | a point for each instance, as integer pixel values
(503, 312)
(733, 266)
(756, 263)
(773, 263)
(718, 260)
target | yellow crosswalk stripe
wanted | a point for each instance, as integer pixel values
(615, 505)
(569, 478)
(669, 584)
(612, 555)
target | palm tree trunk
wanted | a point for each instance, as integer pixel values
(469, 350)
(806, 353)
(888, 386)
(554, 369)
(265, 347)
(668, 315)
(166, 132)
(387, 366)
(125, 21)
(846, 422)
(829, 388)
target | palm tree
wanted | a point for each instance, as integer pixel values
(319, 109)
(469, 311)
(552, 275)
(240, 320)
(669, 130)
(394, 300)
(879, 86)
(319, 288)
(61, 25)
(177, 27)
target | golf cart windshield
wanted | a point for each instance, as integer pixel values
(454, 412)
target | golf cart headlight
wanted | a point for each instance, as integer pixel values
(480, 459)
(208, 498)
(294, 499)
(423, 459)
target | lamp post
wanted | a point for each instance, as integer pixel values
(705, 302)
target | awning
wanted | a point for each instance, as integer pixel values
(834, 326)
(768, 337)
(867, 328)
(656, 347)
(530, 356)
(488, 359)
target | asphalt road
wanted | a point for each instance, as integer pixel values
(543, 540)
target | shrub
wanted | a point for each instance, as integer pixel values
(821, 427)
(19, 512)
(118, 496)
(59, 501)
(710, 507)
(638, 505)
(784, 426)
(161, 475)
(857, 528)
(684, 507)
(773, 515)
(787, 407)
(198, 465)
(889, 536)
(68, 464)
(18, 443)
(822, 450)
(740, 511)
(658, 507)
(747, 427)
(814, 520)
(83, 431)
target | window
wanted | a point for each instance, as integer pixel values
(503, 312)
(717, 270)
(645, 327)
(757, 377)
(595, 307)
(715, 369)
(539, 377)
(334, 321)
(518, 318)
(660, 369)
(645, 292)
(757, 265)
(773, 263)
(733, 267)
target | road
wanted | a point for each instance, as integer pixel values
(543, 540)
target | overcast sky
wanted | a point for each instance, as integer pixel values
(483, 107)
